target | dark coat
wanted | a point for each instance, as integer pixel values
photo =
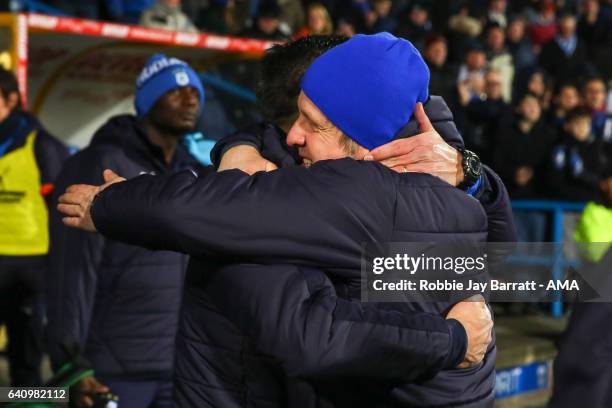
(317, 217)
(116, 304)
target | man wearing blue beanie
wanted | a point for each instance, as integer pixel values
(362, 93)
(112, 307)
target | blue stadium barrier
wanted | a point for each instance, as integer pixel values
(557, 261)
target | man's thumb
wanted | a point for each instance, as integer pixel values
(421, 117)
(270, 166)
(109, 175)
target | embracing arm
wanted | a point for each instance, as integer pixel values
(293, 314)
(318, 216)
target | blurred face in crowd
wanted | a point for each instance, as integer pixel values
(177, 111)
(475, 60)
(591, 6)
(579, 127)
(493, 85)
(516, 31)
(568, 98)
(316, 137)
(567, 26)
(496, 38)
(267, 25)
(436, 53)
(536, 85)
(316, 19)
(595, 94)
(345, 29)
(7, 104)
(497, 6)
(419, 16)
(382, 7)
(530, 108)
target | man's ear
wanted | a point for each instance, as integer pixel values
(12, 101)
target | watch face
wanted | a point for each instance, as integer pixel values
(474, 165)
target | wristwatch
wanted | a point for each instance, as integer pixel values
(472, 169)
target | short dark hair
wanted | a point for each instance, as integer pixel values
(9, 85)
(280, 74)
(577, 113)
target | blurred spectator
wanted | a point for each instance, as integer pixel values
(292, 14)
(483, 116)
(345, 27)
(464, 23)
(380, 17)
(594, 95)
(544, 26)
(443, 75)
(499, 58)
(418, 26)
(592, 26)
(30, 160)
(566, 99)
(496, 12)
(580, 162)
(537, 83)
(319, 22)
(523, 148)
(463, 29)
(470, 80)
(215, 18)
(267, 23)
(127, 11)
(520, 45)
(167, 15)
(565, 57)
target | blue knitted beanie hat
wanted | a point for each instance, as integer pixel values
(161, 75)
(368, 86)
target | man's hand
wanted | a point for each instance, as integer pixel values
(475, 317)
(426, 152)
(82, 392)
(245, 158)
(75, 203)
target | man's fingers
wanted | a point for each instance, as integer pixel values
(70, 210)
(79, 188)
(74, 222)
(421, 117)
(392, 149)
(72, 198)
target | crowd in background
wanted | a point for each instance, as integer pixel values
(527, 80)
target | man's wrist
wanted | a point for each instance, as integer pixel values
(458, 344)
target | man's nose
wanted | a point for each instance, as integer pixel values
(295, 137)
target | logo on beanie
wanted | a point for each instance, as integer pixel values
(181, 78)
(155, 67)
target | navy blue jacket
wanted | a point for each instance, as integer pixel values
(115, 304)
(269, 140)
(317, 217)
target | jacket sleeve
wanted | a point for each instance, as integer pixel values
(495, 200)
(51, 154)
(74, 260)
(293, 314)
(266, 138)
(313, 216)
